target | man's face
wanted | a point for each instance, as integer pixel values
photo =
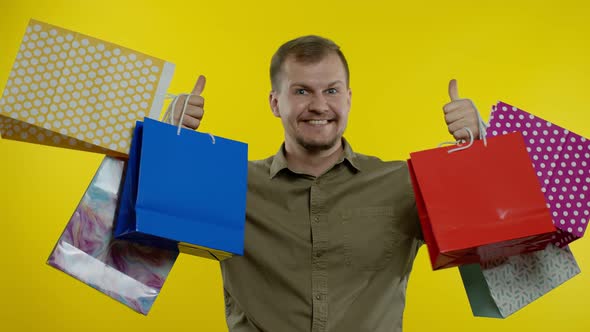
(313, 101)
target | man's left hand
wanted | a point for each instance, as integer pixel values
(460, 114)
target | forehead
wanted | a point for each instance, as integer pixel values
(328, 69)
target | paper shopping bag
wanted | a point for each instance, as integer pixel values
(70, 90)
(130, 273)
(480, 203)
(184, 189)
(501, 287)
(562, 162)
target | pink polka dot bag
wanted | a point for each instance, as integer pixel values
(561, 160)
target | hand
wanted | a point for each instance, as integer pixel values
(194, 109)
(460, 114)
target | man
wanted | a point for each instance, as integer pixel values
(331, 235)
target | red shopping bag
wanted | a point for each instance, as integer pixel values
(480, 203)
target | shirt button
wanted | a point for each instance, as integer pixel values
(318, 297)
(316, 219)
(319, 253)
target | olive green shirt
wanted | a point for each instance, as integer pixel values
(331, 253)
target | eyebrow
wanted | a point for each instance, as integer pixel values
(303, 85)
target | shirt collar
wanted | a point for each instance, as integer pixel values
(279, 161)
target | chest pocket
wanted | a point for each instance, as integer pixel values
(372, 237)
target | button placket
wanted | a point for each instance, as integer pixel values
(319, 273)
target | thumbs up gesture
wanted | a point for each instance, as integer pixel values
(460, 114)
(195, 108)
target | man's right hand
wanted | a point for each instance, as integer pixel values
(195, 109)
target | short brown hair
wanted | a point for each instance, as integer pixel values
(306, 49)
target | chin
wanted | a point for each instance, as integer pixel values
(317, 146)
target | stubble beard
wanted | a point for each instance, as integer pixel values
(315, 147)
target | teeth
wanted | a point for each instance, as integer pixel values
(318, 122)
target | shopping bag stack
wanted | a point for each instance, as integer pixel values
(74, 91)
(504, 209)
(560, 159)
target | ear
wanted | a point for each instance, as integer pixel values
(349, 97)
(273, 100)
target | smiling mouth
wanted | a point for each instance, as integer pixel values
(317, 122)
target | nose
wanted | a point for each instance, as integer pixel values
(318, 103)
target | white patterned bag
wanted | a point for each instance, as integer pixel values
(74, 91)
(501, 287)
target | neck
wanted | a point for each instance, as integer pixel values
(315, 163)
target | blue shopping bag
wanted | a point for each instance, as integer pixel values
(186, 190)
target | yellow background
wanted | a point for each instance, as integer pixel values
(535, 55)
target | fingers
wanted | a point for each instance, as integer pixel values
(453, 90)
(195, 105)
(191, 122)
(199, 86)
(457, 129)
(459, 114)
(197, 101)
(457, 105)
(462, 135)
(451, 117)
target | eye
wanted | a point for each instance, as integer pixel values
(332, 91)
(300, 92)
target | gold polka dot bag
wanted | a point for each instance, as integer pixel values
(70, 90)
